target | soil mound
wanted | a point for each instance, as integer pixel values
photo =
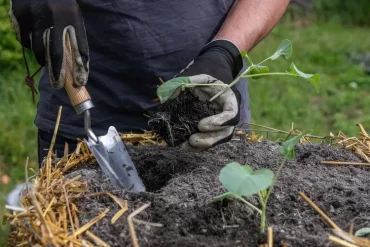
(181, 187)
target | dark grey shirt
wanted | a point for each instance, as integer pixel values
(133, 43)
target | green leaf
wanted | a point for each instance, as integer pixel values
(243, 181)
(285, 49)
(258, 69)
(363, 232)
(223, 196)
(287, 149)
(171, 88)
(313, 78)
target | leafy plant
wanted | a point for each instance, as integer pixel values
(363, 232)
(242, 181)
(173, 87)
(10, 49)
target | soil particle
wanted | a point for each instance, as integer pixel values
(181, 187)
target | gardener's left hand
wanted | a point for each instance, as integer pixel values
(219, 62)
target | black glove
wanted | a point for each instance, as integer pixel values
(220, 59)
(218, 62)
(41, 25)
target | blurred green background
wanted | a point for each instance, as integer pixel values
(329, 37)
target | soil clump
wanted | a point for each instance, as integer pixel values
(176, 120)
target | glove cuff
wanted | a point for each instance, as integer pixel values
(230, 51)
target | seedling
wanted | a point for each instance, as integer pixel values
(363, 232)
(242, 181)
(173, 87)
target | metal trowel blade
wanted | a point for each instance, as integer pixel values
(113, 158)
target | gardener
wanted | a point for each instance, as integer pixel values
(122, 48)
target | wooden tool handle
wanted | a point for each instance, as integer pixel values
(77, 95)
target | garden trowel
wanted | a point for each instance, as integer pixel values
(109, 150)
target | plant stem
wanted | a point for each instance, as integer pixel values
(249, 60)
(197, 85)
(260, 197)
(231, 84)
(265, 74)
(263, 61)
(263, 218)
(263, 214)
(290, 133)
(275, 180)
(249, 204)
(249, 76)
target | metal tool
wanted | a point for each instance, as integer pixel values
(109, 150)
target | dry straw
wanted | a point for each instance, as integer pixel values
(48, 215)
(358, 145)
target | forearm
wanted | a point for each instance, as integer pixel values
(250, 21)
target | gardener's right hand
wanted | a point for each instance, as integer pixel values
(41, 25)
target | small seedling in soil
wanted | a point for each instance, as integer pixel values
(178, 116)
(363, 232)
(242, 181)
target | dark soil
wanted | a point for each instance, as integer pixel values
(182, 185)
(177, 119)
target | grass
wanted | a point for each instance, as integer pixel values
(18, 136)
(341, 103)
(345, 88)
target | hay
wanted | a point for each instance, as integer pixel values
(48, 215)
(360, 146)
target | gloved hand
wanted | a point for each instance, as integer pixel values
(41, 25)
(218, 62)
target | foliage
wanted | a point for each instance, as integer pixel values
(242, 181)
(288, 147)
(18, 134)
(344, 97)
(285, 49)
(167, 90)
(17, 131)
(363, 232)
(326, 48)
(343, 11)
(10, 49)
(314, 79)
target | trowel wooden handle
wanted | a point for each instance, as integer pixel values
(77, 95)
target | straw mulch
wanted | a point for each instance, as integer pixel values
(49, 215)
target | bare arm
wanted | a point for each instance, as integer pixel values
(219, 62)
(250, 21)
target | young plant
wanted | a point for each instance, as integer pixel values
(242, 181)
(168, 89)
(363, 232)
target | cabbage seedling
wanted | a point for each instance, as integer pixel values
(173, 87)
(242, 181)
(363, 232)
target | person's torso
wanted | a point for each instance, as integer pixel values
(133, 43)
